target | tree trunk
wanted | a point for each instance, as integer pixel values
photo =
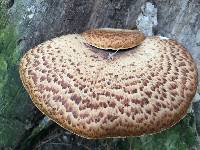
(36, 21)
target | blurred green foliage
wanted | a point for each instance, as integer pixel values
(3, 72)
(180, 137)
(12, 95)
(3, 15)
(3, 63)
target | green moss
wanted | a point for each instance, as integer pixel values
(10, 127)
(3, 14)
(8, 47)
(13, 98)
(180, 137)
(3, 72)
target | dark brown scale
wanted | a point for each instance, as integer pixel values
(175, 106)
(126, 102)
(94, 94)
(145, 82)
(158, 104)
(55, 79)
(101, 115)
(145, 101)
(153, 88)
(127, 84)
(104, 120)
(45, 63)
(112, 104)
(41, 88)
(94, 106)
(64, 84)
(71, 90)
(85, 90)
(103, 104)
(134, 91)
(119, 97)
(43, 78)
(135, 101)
(49, 79)
(107, 94)
(156, 96)
(149, 77)
(128, 114)
(184, 71)
(139, 120)
(49, 46)
(75, 114)
(61, 112)
(173, 93)
(191, 69)
(155, 108)
(172, 86)
(141, 88)
(133, 83)
(148, 93)
(183, 80)
(135, 111)
(111, 118)
(117, 87)
(164, 95)
(34, 77)
(85, 101)
(121, 109)
(68, 108)
(44, 71)
(142, 103)
(170, 108)
(90, 120)
(154, 114)
(76, 84)
(97, 119)
(77, 99)
(55, 91)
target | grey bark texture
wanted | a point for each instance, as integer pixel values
(147, 20)
(40, 20)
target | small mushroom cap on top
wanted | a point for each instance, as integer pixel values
(140, 91)
(113, 39)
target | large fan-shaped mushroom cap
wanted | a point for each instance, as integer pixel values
(139, 91)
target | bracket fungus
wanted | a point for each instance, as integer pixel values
(142, 90)
(113, 39)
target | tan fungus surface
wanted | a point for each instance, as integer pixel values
(139, 91)
(113, 39)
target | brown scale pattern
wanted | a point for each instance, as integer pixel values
(138, 91)
(113, 39)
